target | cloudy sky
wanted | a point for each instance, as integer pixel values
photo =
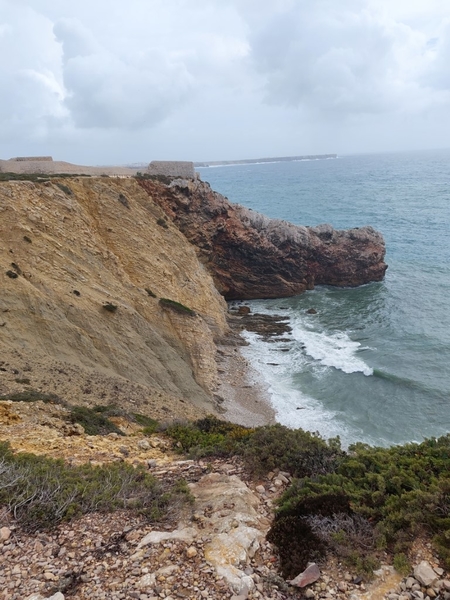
(117, 82)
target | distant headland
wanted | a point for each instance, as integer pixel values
(254, 161)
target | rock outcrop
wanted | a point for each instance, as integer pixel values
(252, 256)
(83, 265)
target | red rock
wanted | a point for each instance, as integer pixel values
(309, 575)
(252, 256)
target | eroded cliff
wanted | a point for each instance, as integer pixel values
(252, 256)
(70, 247)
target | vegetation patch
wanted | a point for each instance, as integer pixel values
(27, 239)
(94, 420)
(38, 177)
(33, 396)
(353, 504)
(41, 492)
(124, 201)
(150, 293)
(176, 306)
(161, 178)
(110, 307)
(149, 425)
(393, 495)
(162, 223)
(64, 188)
(12, 274)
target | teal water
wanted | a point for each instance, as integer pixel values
(373, 364)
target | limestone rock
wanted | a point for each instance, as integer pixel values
(252, 256)
(191, 552)
(187, 534)
(309, 575)
(5, 534)
(424, 573)
(147, 581)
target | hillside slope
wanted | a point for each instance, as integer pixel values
(67, 248)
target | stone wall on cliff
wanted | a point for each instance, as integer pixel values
(252, 256)
(68, 248)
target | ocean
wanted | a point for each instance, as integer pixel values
(373, 365)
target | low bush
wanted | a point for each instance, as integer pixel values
(162, 223)
(149, 425)
(110, 307)
(393, 495)
(94, 420)
(64, 188)
(33, 396)
(176, 306)
(41, 492)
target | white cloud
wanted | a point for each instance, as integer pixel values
(106, 90)
(31, 93)
(207, 78)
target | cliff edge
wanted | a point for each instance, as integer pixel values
(84, 263)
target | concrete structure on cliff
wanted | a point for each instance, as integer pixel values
(172, 168)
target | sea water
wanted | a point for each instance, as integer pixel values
(373, 364)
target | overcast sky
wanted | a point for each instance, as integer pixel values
(116, 82)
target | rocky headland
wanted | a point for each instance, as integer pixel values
(252, 256)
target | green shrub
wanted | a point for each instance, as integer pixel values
(299, 452)
(64, 188)
(93, 420)
(150, 293)
(394, 494)
(124, 201)
(41, 492)
(149, 425)
(176, 306)
(401, 564)
(209, 437)
(110, 307)
(162, 223)
(33, 396)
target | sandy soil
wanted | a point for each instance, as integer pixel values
(245, 399)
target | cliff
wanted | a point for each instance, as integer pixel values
(252, 256)
(68, 248)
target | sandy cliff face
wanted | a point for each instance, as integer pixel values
(252, 256)
(76, 245)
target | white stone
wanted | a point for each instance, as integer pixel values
(5, 534)
(239, 582)
(188, 534)
(147, 581)
(425, 574)
(144, 444)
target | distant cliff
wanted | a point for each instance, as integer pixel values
(252, 256)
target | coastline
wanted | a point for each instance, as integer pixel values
(243, 397)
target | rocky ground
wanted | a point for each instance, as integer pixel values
(214, 548)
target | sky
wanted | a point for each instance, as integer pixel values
(101, 82)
